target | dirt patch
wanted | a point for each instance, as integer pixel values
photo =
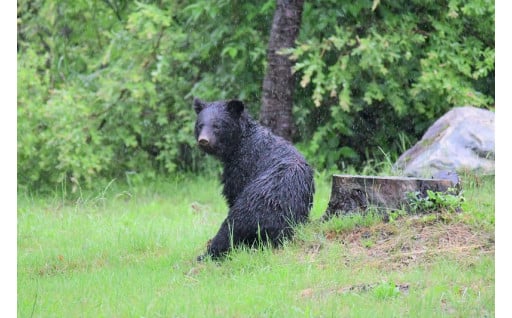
(412, 240)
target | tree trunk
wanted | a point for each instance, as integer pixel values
(278, 84)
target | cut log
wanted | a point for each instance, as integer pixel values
(353, 194)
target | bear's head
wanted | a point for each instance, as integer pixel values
(217, 128)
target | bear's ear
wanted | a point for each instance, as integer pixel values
(199, 105)
(235, 107)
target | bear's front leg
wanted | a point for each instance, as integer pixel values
(221, 243)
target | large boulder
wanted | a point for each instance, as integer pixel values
(461, 140)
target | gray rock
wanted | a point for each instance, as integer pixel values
(461, 140)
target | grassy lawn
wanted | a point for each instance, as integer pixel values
(130, 252)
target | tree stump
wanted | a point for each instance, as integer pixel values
(352, 194)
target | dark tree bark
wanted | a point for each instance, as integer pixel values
(278, 84)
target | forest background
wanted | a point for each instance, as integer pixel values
(104, 88)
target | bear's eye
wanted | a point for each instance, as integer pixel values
(216, 126)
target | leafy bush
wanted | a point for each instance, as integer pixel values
(435, 201)
(105, 87)
(376, 73)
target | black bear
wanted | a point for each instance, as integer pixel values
(268, 185)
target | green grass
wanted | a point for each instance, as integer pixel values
(130, 252)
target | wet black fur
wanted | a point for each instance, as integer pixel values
(268, 184)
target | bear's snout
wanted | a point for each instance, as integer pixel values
(203, 141)
(206, 143)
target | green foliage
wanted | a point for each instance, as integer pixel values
(375, 72)
(435, 201)
(105, 87)
(348, 222)
(394, 215)
(386, 290)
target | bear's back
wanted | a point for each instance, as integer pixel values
(261, 155)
